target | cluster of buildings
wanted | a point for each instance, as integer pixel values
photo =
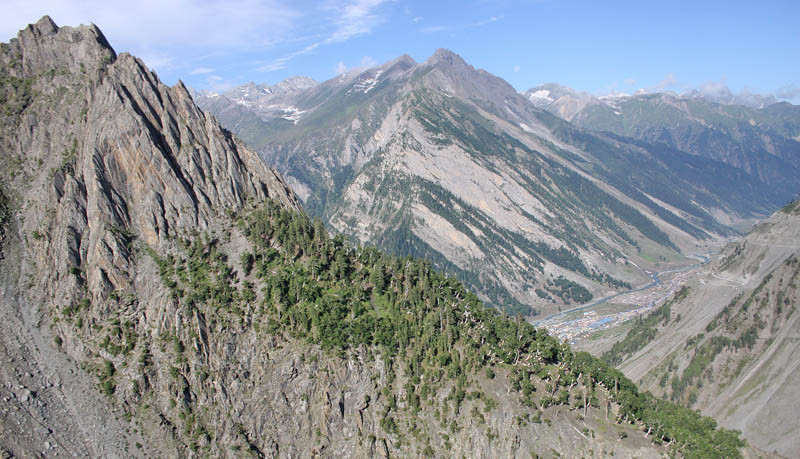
(642, 301)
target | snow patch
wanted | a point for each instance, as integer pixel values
(243, 101)
(292, 113)
(368, 84)
(542, 94)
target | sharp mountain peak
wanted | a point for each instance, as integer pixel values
(446, 57)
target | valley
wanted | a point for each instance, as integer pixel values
(726, 342)
(583, 323)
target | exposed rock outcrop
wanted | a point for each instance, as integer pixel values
(100, 159)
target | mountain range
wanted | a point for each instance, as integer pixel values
(764, 142)
(532, 211)
(164, 295)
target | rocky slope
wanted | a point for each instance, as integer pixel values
(98, 157)
(163, 297)
(446, 162)
(728, 344)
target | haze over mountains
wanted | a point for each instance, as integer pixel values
(443, 161)
(764, 141)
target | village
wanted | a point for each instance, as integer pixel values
(581, 324)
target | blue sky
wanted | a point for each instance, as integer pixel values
(593, 46)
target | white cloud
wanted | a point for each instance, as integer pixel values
(218, 84)
(276, 64)
(416, 19)
(629, 81)
(155, 59)
(186, 33)
(715, 87)
(359, 17)
(368, 61)
(196, 24)
(669, 81)
(340, 68)
(788, 93)
(516, 68)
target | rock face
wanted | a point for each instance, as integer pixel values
(729, 345)
(98, 157)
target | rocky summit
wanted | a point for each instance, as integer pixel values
(164, 296)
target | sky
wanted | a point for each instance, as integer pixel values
(594, 46)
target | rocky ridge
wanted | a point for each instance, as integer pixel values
(98, 156)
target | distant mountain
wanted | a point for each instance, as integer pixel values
(764, 142)
(728, 344)
(722, 95)
(545, 94)
(446, 162)
(164, 296)
(570, 102)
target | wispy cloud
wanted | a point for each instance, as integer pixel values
(366, 62)
(201, 71)
(460, 27)
(669, 81)
(218, 84)
(629, 81)
(175, 33)
(356, 18)
(340, 68)
(156, 59)
(277, 64)
(196, 24)
(715, 87)
(359, 17)
(788, 93)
